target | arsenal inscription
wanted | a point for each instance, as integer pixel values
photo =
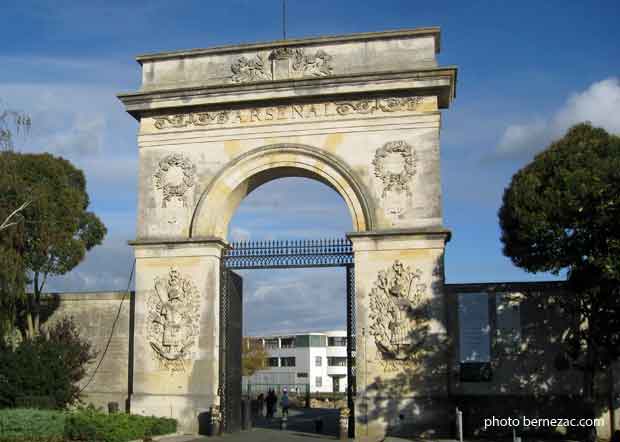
(291, 112)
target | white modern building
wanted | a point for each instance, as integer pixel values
(317, 359)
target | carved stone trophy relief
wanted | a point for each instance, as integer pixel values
(399, 315)
(281, 64)
(173, 314)
(395, 166)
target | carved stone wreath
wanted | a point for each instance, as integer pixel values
(395, 180)
(398, 316)
(172, 317)
(174, 189)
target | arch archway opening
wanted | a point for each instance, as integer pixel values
(299, 315)
(255, 168)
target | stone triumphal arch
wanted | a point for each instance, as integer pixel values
(360, 113)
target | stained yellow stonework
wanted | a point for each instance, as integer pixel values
(359, 113)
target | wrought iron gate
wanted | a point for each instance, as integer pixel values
(278, 255)
(231, 304)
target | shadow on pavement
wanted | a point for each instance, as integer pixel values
(304, 421)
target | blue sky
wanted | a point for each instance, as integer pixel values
(527, 71)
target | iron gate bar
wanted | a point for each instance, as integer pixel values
(351, 352)
(223, 390)
(275, 254)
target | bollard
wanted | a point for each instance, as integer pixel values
(112, 407)
(283, 422)
(459, 424)
(344, 423)
(215, 420)
(246, 414)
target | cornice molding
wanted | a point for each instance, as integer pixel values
(439, 81)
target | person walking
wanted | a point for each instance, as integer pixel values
(271, 400)
(285, 403)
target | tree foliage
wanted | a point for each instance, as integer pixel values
(57, 228)
(560, 213)
(49, 365)
(253, 357)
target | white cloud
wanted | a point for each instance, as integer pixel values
(293, 300)
(106, 267)
(599, 104)
(83, 137)
(239, 234)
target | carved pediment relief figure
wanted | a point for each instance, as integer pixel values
(247, 70)
(281, 64)
(174, 177)
(172, 317)
(398, 316)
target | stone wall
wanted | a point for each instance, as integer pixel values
(524, 380)
(94, 314)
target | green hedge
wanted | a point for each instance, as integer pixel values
(21, 425)
(89, 425)
(29, 424)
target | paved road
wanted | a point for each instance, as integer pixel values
(262, 435)
(301, 426)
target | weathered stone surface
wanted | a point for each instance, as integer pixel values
(94, 314)
(292, 59)
(359, 113)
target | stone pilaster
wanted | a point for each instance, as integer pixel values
(401, 335)
(176, 341)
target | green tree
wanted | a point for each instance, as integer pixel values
(560, 213)
(57, 228)
(49, 366)
(12, 272)
(253, 356)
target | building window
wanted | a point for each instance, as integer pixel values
(272, 362)
(318, 341)
(302, 375)
(318, 361)
(337, 341)
(474, 327)
(272, 343)
(288, 342)
(287, 362)
(337, 361)
(318, 382)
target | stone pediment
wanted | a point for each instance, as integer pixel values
(380, 62)
(292, 59)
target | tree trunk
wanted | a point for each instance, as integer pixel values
(588, 389)
(29, 322)
(33, 309)
(37, 303)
